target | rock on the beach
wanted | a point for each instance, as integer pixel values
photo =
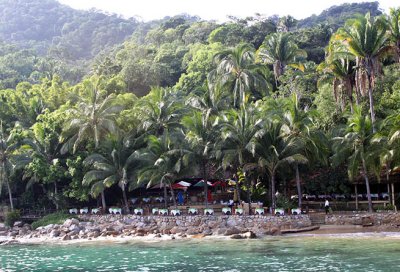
(231, 231)
(55, 233)
(69, 222)
(249, 235)
(236, 236)
(3, 227)
(18, 224)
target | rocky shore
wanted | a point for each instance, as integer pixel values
(126, 227)
(91, 227)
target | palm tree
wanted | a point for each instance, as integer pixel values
(273, 150)
(365, 38)
(394, 31)
(162, 162)
(342, 74)
(160, 111)
(238, 73)
(201, 136)
(279, 50)
(298, 125)
(355, 147)
(115, 167)
(91, 119)
(239, 128)
(11, 158)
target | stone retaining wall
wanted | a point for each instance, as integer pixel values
(386, 218)
(209, 225)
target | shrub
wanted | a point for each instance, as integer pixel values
(11, 217)
(54, 218)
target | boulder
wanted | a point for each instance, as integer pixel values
(3, 227)
(249, 235)
(66, 237)
(69, 222)
(74, 228)
(231, 231)
(236, 236)
(55, 233)
(18, 224)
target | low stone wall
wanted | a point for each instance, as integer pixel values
(208, 225)
(377, 219)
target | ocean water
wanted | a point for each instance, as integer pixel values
(351, 252)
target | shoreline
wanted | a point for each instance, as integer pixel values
(327, 231)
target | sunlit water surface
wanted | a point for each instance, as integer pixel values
(373, 252)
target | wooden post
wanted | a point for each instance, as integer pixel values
(356, 192)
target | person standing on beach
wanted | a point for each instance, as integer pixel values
(326, 206)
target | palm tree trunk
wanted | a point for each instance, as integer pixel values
(298, 184)
(173, 197)
(371, 106)
(205, 184)
(165, 196)
(10, 195)
(273, 197)
(367, 185)
(56, 195)
(248, 184)
(103, 201)
(125, 199)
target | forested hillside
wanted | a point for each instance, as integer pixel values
(96, 106)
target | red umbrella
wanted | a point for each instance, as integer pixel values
(178, 186)
(219, 183)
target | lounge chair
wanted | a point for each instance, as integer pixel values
(154, 211)
(73, 211)
(115, 210)
(208, 212)
(296, 211)
(95, 211)
(226, 211)
(259, 211)
(175, 212)
(138, 211)
(279, 212)
(163, 212)
(84, 211)
(193, 211)
(239, 211)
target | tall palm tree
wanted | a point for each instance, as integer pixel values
(273, 150)
(116, 166)
(201, 136)
(239, 128)
(355, 148)
(298, 125)
(238, 73)
(11, 158)
(280, 50)
(365, 38)
(91, 119)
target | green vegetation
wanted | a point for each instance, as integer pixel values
(278, 105)
(54, 218)
(11, 217)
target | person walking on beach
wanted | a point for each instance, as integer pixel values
(326, 206)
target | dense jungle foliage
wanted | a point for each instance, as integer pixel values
(95, 106)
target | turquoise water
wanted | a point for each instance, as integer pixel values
(305, 253)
